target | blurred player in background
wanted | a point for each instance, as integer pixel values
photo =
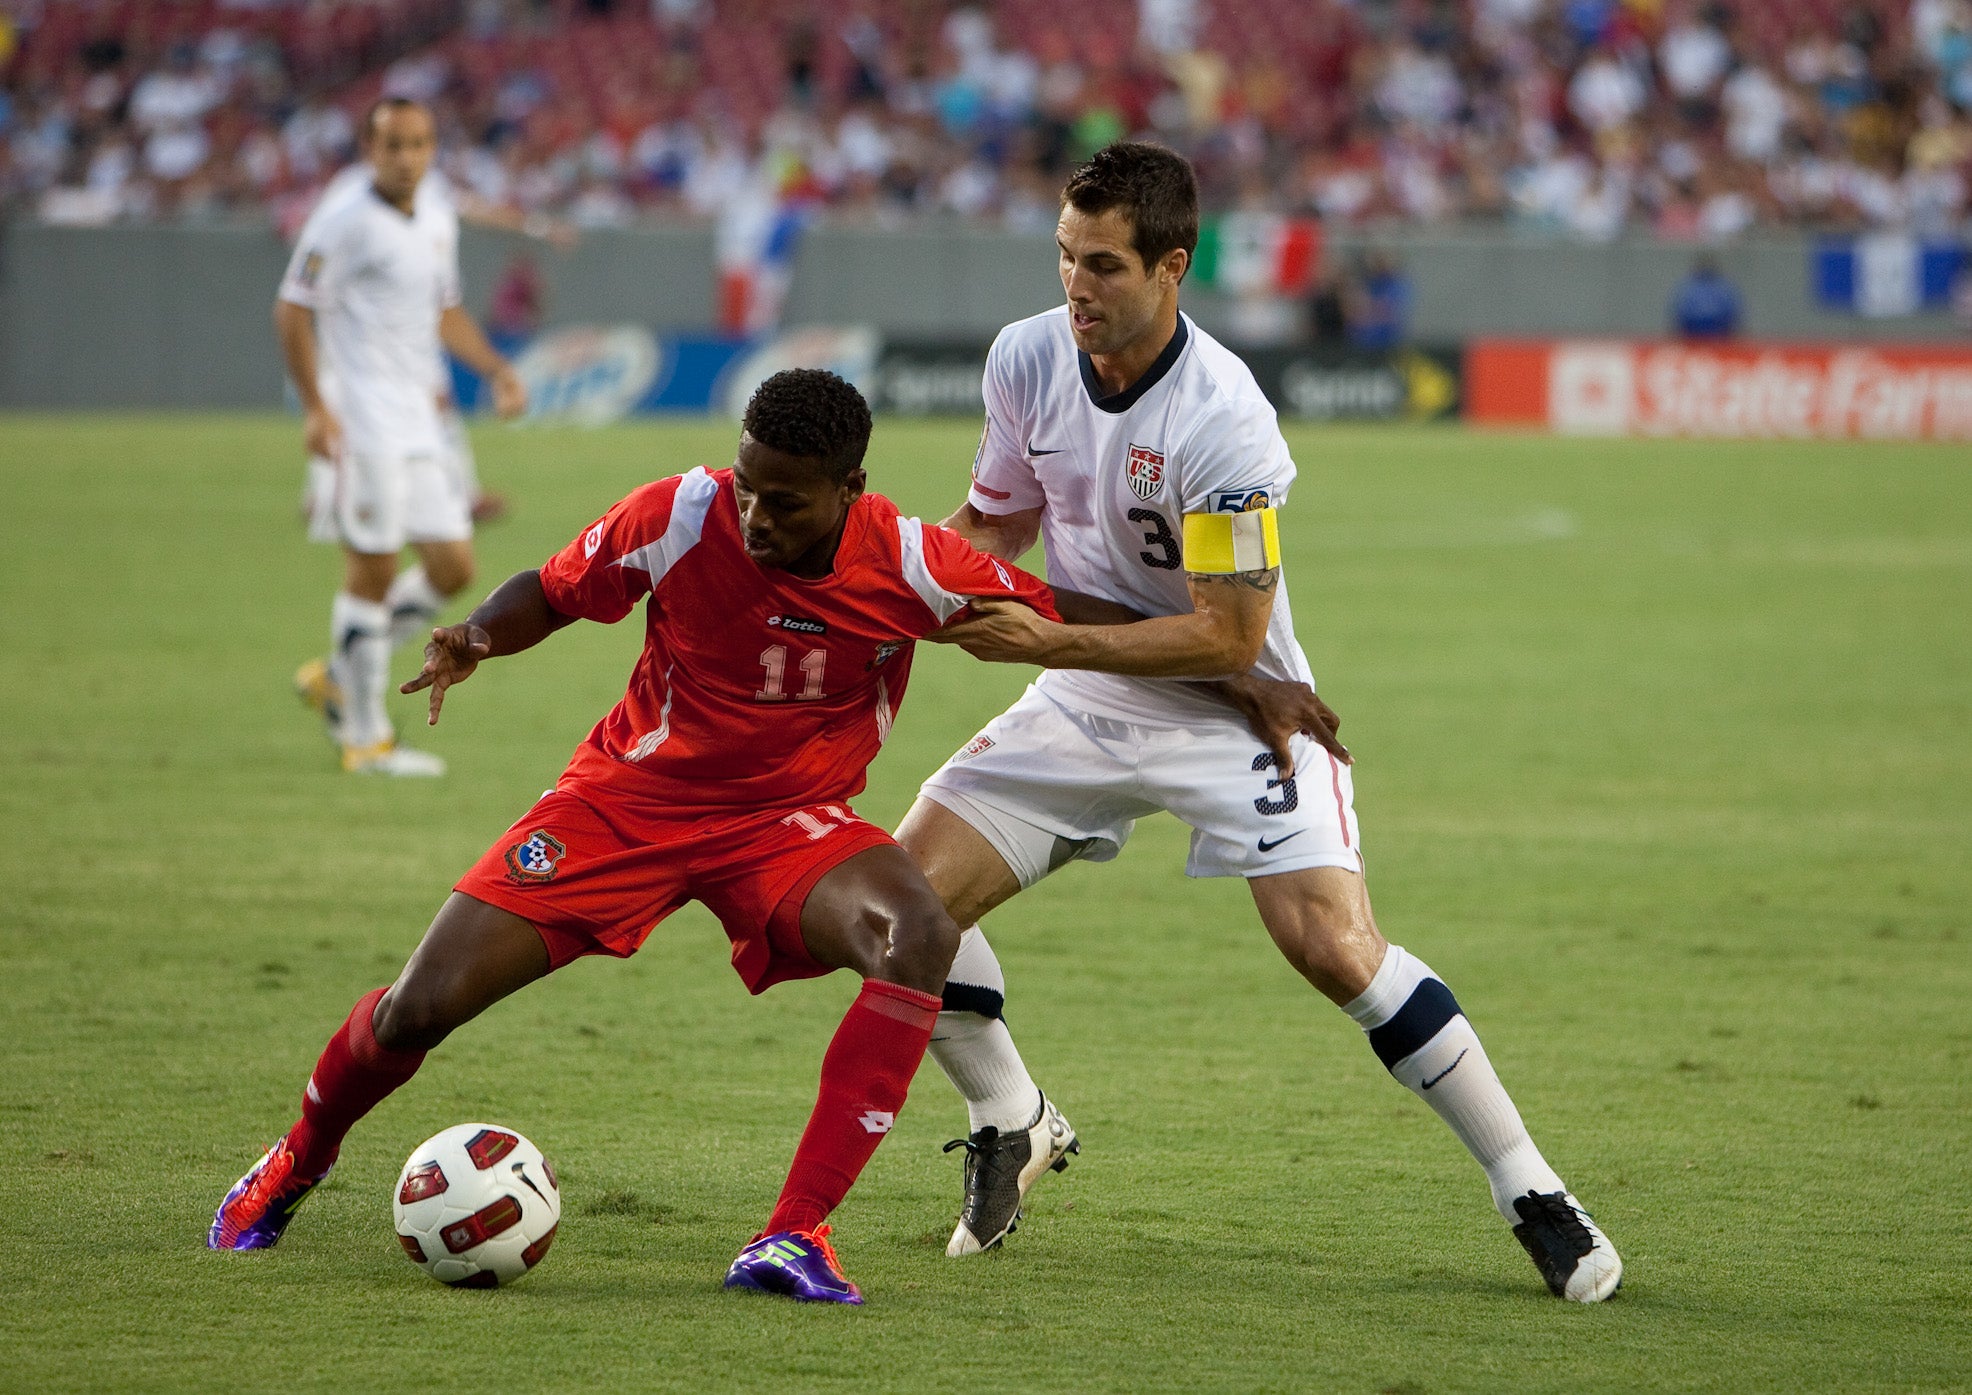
(370, 296)
(783, 606)
(1146, 456)
(469, 209)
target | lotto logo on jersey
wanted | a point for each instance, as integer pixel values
(536, 858)
(800, 624)
(1240, 501)
(592, 540)
(1146, 471)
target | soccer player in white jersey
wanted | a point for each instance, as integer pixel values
(1146, 457)
(370, 296)
(354, 181)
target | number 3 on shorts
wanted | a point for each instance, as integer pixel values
(1289, 799)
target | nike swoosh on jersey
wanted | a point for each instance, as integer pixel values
(1267, 846)
(1032, 449)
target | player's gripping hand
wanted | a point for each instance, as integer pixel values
(321, 434)
(451, 656)
(509, 394)
(999, 631)
(1276, 710)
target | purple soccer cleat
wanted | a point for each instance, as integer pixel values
(798, 1264)
(261, 1204)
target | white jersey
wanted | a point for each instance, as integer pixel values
(1114, 477)
(378, 281)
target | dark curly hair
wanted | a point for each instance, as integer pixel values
(811, 413)
(1155, 187)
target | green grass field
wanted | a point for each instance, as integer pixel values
(1664, 752)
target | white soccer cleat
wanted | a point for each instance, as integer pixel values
(388, 758)
(1574, 1256)
(999, 1168)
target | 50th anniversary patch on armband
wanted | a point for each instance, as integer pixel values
(1220, 544)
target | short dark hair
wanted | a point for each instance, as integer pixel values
(1153, 185)
(384, 104)
(814, 414)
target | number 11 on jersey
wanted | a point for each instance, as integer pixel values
(774, 660)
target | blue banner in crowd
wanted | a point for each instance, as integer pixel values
(1886, 274)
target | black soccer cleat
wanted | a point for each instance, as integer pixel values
(1574, 1257)
(999, 1168)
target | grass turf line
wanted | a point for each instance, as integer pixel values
(1663, 765)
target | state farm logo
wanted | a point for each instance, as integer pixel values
(1592, 389)
(1146, 470)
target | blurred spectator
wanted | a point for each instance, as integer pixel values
(1380, 308)
(1705, 305)
(519, 297)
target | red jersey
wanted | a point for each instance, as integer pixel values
(757, 687)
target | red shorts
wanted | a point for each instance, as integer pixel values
(594, 878)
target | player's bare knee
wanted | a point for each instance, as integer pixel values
(410, 1019)
(919, 944)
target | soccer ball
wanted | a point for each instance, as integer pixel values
(476, 1206)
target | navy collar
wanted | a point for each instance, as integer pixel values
(1117, 403)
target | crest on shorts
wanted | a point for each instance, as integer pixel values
(536, 858)
(1146, 470)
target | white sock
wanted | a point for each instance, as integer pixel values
(413, 603)
(972, 1046)
(359, 660)
(1417, 1030)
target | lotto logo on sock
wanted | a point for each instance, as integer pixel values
(535, 859)
(878, 1120)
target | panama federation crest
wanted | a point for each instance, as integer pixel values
(1146, 471)
(536, 858)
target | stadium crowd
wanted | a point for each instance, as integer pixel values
(1691, 119)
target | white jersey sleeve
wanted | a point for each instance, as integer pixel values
(319, 256)
(1003, 478)
(1234, 459)
(449, 294)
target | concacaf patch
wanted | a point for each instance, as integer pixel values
(311, 269)
(1240, 501)
(1146, 470)
(536, 858)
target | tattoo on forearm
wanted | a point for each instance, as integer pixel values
(1264, 580)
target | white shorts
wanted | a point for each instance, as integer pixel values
(378, 503)
(1041, 771)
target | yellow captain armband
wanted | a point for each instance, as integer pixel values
(1221, 544)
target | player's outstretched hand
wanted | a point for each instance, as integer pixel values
(452, 655)
(509, 394)
(1276, 710)
(999, 631)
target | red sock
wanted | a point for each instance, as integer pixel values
(351, 1078)
(866, 1073)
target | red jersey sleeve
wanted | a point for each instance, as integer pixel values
(962, 570)
(606, 571)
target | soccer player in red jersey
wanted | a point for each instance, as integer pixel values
(783, 603)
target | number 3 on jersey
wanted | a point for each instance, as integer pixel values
(774, 660)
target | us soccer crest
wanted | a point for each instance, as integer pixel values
(535, 858)
(1146, 470)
